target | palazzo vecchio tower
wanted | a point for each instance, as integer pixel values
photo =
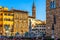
(53, 18)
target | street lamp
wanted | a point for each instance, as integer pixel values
(53, 31)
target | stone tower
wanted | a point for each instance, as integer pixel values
(33, 10)
(53, 18)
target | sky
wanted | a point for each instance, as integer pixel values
(26, 5)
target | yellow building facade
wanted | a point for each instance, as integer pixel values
(6, 21)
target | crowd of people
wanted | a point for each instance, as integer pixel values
(15, 38)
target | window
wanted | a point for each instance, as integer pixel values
(52, 26)
(0, 25)
(43, 29)
(54, 19)
(9, 14)
(22, 31)
(7, 19)
(40, 29)
(52, 4)
(5, 14)
(1, 14)
(6, 27)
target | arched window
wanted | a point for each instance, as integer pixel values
(54, 19)
(52, 26)
(52, 4)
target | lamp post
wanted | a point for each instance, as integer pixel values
(53, 31)
(53, 26)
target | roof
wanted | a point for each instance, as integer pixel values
(14, 10)
(33, 4)
(7, 11)
(31, 17)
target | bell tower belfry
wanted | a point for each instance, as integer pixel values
(33, 10)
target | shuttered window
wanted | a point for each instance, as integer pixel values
(52, 4)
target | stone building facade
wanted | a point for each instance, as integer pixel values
(20, 22)
(53, 18)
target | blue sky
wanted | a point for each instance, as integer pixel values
(26, 5)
